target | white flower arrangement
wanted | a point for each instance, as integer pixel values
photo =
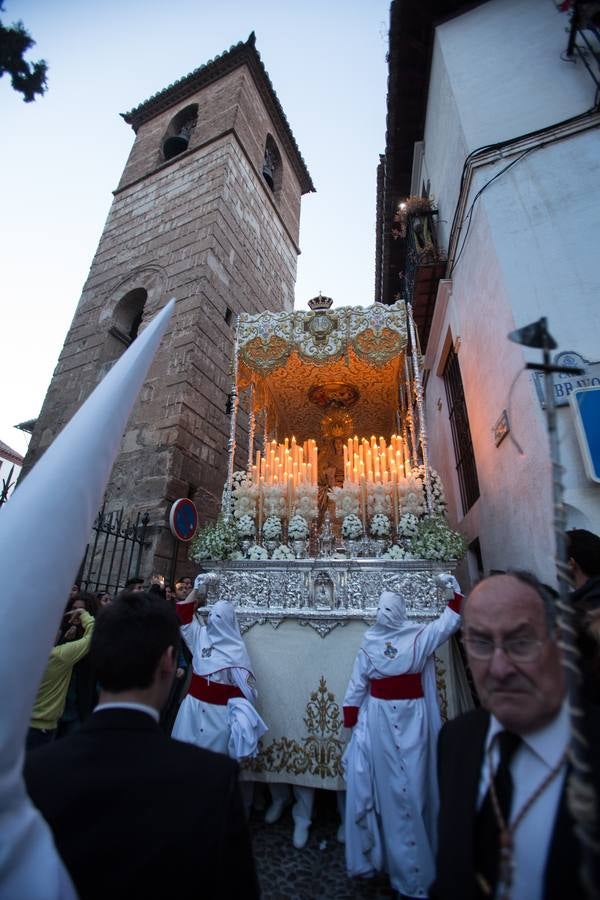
(272, 528)
(236, 554)
(408, 526)
(239, 476)
(283, 552)
(214, 541)
(298, 528)
(396, 552)
(410, 496)
(257, 552)
(380, 526)
(437, 489)
(436, 540)
(346, 499)
(274, 500)
(379, 499)
(243, 498)
(306, 502)
(245, 526)
(351, 527)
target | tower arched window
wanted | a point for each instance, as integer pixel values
(272, 165)
(179, 132)
(128, 314)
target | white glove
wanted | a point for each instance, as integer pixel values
(448, 584)
(201, 581)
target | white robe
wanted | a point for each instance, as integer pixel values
(391, 802)
(234, 728)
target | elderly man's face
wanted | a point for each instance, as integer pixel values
(523, 695)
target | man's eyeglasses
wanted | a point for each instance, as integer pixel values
(518, 649)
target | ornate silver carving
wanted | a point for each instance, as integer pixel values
(323, 626)
(275, 590)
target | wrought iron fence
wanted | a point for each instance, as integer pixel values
(115, 552)
(584, 38)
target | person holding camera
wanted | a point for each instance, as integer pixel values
(52, 692)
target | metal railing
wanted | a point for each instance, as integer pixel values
(584, 39)
(115, 552)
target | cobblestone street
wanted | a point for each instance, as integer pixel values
(316, 873)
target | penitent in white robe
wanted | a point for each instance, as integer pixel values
(391, 801)
(219, 655)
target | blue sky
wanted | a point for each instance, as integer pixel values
(62, 155)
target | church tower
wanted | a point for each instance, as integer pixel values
(207, 211)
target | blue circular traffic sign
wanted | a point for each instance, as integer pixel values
(183, 519)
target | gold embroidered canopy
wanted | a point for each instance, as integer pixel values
(301, 363)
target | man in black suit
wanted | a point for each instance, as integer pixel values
(133, 812)
(504, 828)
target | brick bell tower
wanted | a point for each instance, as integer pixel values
(207, 211)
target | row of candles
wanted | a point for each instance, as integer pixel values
(281, 462)
(287, 466)
(376, 461)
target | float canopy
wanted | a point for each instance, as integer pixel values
(303, 363)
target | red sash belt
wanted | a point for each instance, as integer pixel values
(211, 691)
(397, 687)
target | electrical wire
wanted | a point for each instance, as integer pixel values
(468, 216)
(502, 145)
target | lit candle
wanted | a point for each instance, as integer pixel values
(363, 494)
(261, 486)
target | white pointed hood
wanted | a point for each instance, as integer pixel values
(44, 529)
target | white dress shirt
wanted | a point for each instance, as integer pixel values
(141, 707)
(537, 755)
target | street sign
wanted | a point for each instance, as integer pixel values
(563, 384)
(183, 519)
(585, 403)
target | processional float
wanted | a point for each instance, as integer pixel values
(333, 502)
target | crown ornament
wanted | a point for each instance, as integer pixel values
(320, 302)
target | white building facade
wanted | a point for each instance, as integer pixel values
(511, 154)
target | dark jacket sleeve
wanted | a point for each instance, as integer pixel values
(239, 873)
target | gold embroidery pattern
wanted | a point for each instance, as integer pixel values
(318, 754)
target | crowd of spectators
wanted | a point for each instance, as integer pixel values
(505, 826)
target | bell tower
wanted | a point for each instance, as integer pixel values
(207, 211)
